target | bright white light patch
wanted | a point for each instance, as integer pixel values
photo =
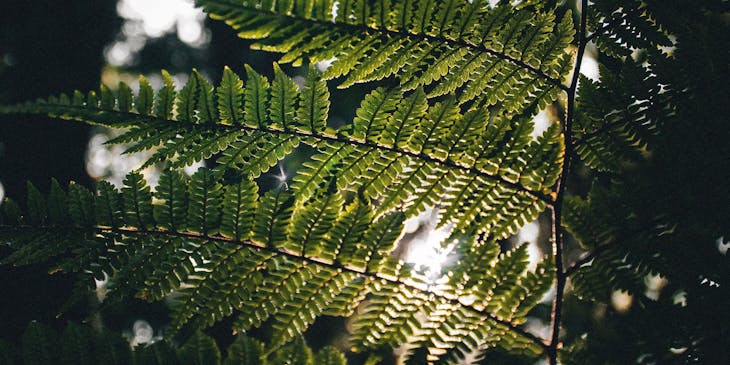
(2, 193)
(153, 19)
(621, 301)
(159, 16)
(427, 252)
(542, 122)
(143, 332)
(323, 65)
(589, 67)
(426, 249)
(529, 233)
(722, 246)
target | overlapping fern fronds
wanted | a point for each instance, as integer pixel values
(505, 56)
(483, 168)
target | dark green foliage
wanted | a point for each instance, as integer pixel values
(661, 214)
(39, 344)
(200, 349)
(619, 117)
(157, 353)
(245, 351)
(81, 344)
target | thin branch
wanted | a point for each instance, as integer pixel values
(395, 280)
(557, 213)
(366, 29)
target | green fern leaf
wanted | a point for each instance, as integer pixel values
(81, 205)
(206, 110)
(245, 351)
(137, 201)
(329, 356)
(200, 349)
(255, 98)
(165, 97)
(143, 101)
(124, 98)
(311, 222)
(205, 197)
(157, 353)
(186, 101)
(239, 203)
(36, 206)
(272, 218)
(419, 42)
(108, 206)
(296, 353)
(172, 192)
(314, 104)
(283, 100)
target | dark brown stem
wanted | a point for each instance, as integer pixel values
(557, 208)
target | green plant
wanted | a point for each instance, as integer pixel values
(451, 129)
(84, 345)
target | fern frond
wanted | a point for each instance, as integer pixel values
(329, 356)
(245, 351)
(81, 344)
(314, 106)
(200, 349)
(420, 42)
(619, 117)
(398, 314)
(400, 151)
(269, 275)
(622, 27)
(628, 249)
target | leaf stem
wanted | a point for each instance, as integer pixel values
(557, 208)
